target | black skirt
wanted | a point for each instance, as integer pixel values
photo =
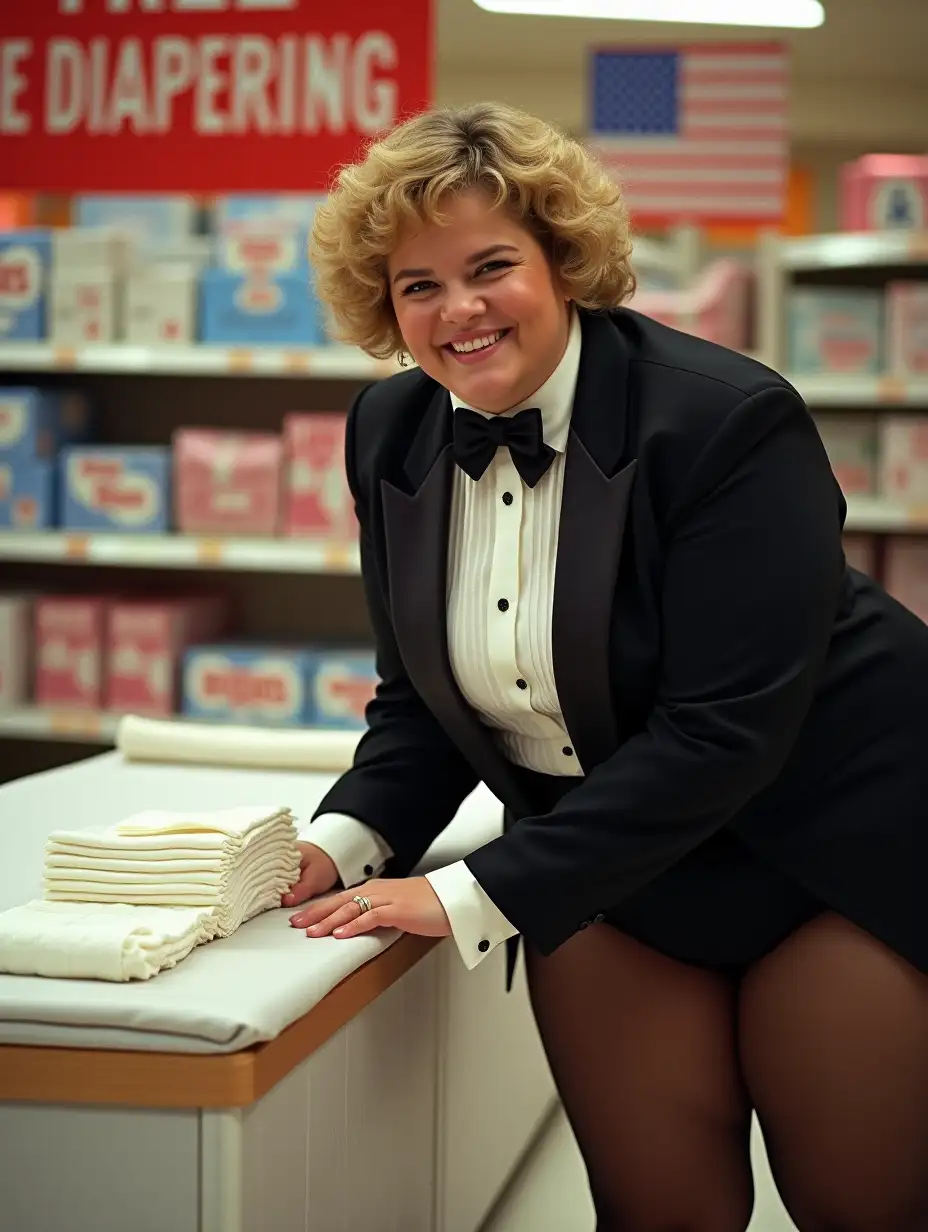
(724, 906)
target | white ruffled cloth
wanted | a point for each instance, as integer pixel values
(127, 902)
(99, 941)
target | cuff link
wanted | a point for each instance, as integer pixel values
(483, 946)
(368, 870)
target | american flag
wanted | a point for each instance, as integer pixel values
(697, 133)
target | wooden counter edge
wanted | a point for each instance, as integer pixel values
(183, 1080)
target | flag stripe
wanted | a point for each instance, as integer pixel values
(696, 132)
(691, 205)
(759, 95)
(736, 179)
(690, 149)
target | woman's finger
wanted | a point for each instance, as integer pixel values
(377, 917)
(348, 914)
(321, 908)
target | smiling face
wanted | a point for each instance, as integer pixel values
(478, 304)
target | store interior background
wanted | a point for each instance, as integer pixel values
(859, 85)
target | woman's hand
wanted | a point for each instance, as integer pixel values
(317, 875)
(409, 904)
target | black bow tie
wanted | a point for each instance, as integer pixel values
(477, 438)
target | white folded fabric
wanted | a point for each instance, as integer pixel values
(96, 941)
(225, 829)
(112, 897)
(233, 821)
(204, 744)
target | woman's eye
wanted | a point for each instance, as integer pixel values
(492, 267)
(415, 287)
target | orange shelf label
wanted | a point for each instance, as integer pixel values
(64, 357)
(891, 389)
(240, 360)
(76, 547)
(296, 361)
(209, 551)
(918, 246)
(337, 556)
(917, 515)
(74, 722)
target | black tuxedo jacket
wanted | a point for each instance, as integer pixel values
(700, 585)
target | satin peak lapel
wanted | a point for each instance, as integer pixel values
(594, 511)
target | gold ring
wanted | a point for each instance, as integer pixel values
(363, 903)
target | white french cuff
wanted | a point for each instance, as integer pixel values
(358, 852)
(477, 924)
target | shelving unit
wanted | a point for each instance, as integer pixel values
(291, 588)
(180, 552)
(123, 359)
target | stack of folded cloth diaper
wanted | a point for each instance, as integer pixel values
(128, 902)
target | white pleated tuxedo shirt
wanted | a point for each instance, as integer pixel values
(502, 545)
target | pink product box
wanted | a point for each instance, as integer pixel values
(907, 574)
(903, 452)
(15, 649)
(317, 501)
(907, 328)
(851, 444)
(145, 642)
(884, 192)
(226, 482)
(69, 651)
(716, 308)
(860, 553)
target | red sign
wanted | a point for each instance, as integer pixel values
(202, 95)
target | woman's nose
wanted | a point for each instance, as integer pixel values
(461, 305)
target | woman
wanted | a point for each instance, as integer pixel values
(604, 569)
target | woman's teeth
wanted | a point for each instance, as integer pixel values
(477, 344)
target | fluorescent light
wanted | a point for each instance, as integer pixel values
(770, 13)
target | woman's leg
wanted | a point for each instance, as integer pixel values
(644, 1053)
(834, 1044)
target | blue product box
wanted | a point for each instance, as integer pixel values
(240, 310)
(116, 488)
(25, 261)
(341, 683)
(265, 686)
(154, 219)
(27, 495)
(834, 331)
(36, 423)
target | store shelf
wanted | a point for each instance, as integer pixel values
(855, 250)
(332, 363)
(33, 723)
(872, 514)
(180, 552)
(854, 391)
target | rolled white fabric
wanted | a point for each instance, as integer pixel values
(203, 744)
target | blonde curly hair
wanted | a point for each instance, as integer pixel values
(552, 185)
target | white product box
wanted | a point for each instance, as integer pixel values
(84, 307)
(15, 650)
(904, 459)
(851, 444)
(161, 305)
(91, 248)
